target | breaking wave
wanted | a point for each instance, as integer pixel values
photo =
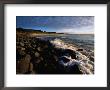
(73, 57)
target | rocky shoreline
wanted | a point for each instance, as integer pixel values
(37, 56)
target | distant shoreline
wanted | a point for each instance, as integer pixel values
(38, 32)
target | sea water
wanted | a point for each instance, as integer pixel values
(85, 41)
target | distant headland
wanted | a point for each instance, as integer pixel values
(36, 31)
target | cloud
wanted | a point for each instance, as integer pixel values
(56, 21)
(82, 30)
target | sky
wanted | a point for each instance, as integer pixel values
(65, 24)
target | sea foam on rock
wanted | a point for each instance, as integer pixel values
(72, 57)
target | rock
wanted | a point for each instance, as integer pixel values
(37, 54)
(22, 48)
(46, 46)
(22, 44)
(46, 65)
(55, 57)
(89, 66)
(41, 58)
(17, 66)
(38, 61)
(92, 58)
(31, 67)
(71, 53)
(23, 66)
(75, 69)
(39, 49)
(80, 49)
(28, 58)
(22, 52)
(64, 59)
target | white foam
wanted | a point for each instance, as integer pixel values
(82, 61)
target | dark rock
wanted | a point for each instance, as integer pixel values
(55, 57)
(70, 53)
(92, 58)
(41, 58)
(80, 49)
(75, 69)
(38, 61)
(21, 52)
(64, 59)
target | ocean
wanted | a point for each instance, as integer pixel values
(85, 41)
